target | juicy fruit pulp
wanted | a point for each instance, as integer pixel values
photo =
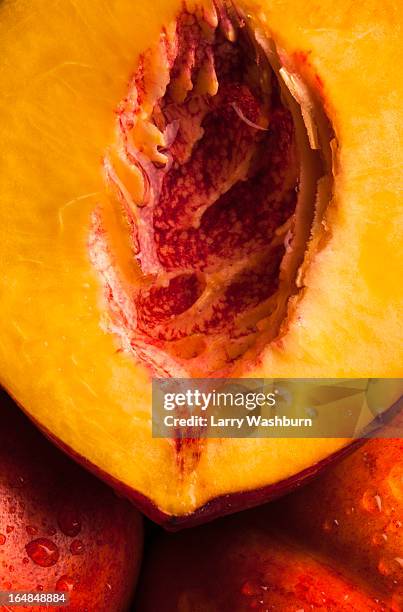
(58, 122)
(206, 171)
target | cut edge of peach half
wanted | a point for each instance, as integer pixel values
(65, 68)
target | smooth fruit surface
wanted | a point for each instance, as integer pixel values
(359, 520)
(72, 278)
(60, 528)
(334, 545)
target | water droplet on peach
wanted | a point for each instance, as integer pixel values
(18, 482)
(378, 539)
(43, 552)
(39, 587)
(330, 525)
(387, 567)
(394, 526)
(9, 529)
(2, 539)
(69, 522)
(31, 530)
(372, 501)
(384, 567)
(64, 583)
(25, 560)
(76, 547)
(248, 589)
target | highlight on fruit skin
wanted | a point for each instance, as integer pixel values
(190, 189)
(334, 545)
(61, 529)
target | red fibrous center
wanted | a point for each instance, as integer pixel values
(214, 146)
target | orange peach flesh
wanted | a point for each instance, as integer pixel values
(57, 121)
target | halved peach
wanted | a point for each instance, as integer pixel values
(200, 189)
